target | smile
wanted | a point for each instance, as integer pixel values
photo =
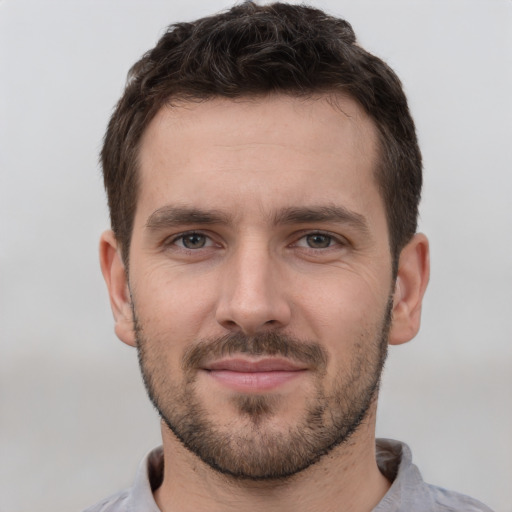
(248, 376)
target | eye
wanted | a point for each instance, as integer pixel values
(318, 241)
(192, 241)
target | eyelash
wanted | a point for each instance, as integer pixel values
(334, 240)
(172, 240)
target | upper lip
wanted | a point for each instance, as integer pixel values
(267, 364)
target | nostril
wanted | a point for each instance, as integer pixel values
(230, 324)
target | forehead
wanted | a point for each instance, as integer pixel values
(275, 151)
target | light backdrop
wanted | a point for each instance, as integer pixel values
(74, 419)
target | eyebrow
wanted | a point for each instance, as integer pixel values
(308, 214)
(169, 216)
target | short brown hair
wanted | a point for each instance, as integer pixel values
(253, 50)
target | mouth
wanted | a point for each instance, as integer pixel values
(254, 375)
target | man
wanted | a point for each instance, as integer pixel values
(263, 178)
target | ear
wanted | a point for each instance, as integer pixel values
(411, 283)
(114, 273)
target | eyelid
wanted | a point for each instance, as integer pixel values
(172, 239)
(338, 240)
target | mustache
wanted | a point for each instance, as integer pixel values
(268, 343)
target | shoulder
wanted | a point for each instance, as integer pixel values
(409, 491)
(140, 495)
(116, 503)
(450, 501)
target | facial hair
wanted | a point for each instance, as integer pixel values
(251, 449)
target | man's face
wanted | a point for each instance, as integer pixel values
(260, 275)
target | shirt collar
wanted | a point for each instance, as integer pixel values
(407, 491)
(148, 477)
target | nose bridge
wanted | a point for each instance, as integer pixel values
(253, 294)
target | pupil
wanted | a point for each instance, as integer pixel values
(319, 241)
(194, 241)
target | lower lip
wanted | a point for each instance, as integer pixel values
(254, 381)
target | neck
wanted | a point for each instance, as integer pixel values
(345, 479)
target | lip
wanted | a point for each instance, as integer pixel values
(254, 376)
(267, 364)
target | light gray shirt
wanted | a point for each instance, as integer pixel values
(408, 492)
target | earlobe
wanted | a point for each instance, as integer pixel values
(411, 283)
(114, 273)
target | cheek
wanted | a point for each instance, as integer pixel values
(172, 305)
(343, 314)
(343, 298)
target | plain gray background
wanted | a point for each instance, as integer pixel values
(74, 419)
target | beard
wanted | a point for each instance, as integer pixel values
(252, 447)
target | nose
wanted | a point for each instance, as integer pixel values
(253, 292)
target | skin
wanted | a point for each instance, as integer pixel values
(251, 161)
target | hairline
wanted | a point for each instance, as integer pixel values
(328, 94)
